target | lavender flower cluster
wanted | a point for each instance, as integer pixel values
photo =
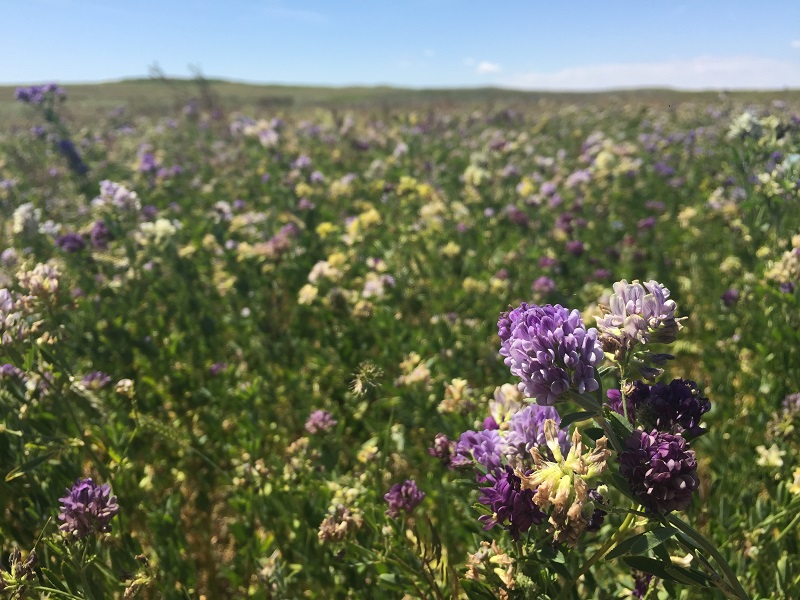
(38, 94)
(551, 350)
(87, 508)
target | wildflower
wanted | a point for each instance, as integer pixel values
(482, 447)
(96, 380)
(25, 219)
(660, 469)
(39, 94)
(87, 508)
(320, 421)
(543, 285)
(563, 483)
(551, 350)
(730, 297)
(770, 457)
(42, 281)
(642, 584)
(441, 448)
(67, 148)
(507, 401)
(526, 431)
(457, 397)
(676, 407)
(20, 573)
(509, 503)
(71, 242)
(340, 522)
(100, 235)
(637, 313)
(217, 368)
(403, 497)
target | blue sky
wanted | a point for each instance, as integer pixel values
(532, 44)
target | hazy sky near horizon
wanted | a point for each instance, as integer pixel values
(573, 45)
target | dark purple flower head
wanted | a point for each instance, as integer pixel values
(511, 506)
(482, 447)
(403, 497)
(676, 407)
(320, 421)
(550, 349)
(660, 469)
(441, 448)
(730, 297)
(87, 508)
(71, 242)
(641, 584)
(68, 150)
(96, 380)
(100, 235)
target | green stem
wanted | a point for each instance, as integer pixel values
(788, 528)
(703, 544)
(600, 553)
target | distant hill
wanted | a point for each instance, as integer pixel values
(154, 97)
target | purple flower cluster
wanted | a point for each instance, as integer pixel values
(526, 431)
(87, 508)
(551, 350)
(100, 235)
(441, 448)
(320, 421)
(37, 94)
(675, 407)
(509, 503)
(482, 447)
(96, 380)
(71, 242)
(403, 497)
(660, 469)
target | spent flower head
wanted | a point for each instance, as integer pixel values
(562, 486)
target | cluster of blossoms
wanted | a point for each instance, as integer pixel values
(87, 508)
(551, 350)
(320, 421)
(674, 407)
(340, 522)
(563, 484)
(531, 470)
(20, 573)
(38, 94)
(638, 314)
(786, 271)
(403, 497)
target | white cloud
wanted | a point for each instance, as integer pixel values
(487, 67)
(704, 72)
(795, 44)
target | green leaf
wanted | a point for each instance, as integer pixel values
(643, 542)
(29, 466)
(667, 571)
(575, 417)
